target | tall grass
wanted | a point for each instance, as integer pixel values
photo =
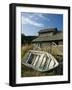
(25, 48)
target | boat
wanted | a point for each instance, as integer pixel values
(39, 60)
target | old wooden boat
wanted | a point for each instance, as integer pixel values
(39, 60)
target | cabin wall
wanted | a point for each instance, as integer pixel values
(46, 34)
(51, 47)
(43, 44)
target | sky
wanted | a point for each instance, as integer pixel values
(32, 23)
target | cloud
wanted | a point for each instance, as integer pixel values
(29, 20)
(43, 17)
(38, 16)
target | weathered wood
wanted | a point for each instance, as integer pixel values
(40, 61)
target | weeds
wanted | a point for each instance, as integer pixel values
(56, 51)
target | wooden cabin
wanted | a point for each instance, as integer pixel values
(48, 37)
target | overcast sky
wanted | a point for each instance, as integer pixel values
(31, 23)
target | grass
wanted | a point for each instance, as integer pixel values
(29, 72)
(25, 49)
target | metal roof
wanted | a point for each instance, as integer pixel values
(48, 30)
